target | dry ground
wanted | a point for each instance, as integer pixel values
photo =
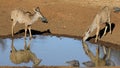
(65, 17)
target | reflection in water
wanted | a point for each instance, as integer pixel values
(2, 44)
(24, 55)
(54, 51)
(74, 63)
(95, 59)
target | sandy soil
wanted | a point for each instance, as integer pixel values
(65, 17)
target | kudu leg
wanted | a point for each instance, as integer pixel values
(25, 31)
(29, 27)
(106, 53)
(13, 25)
(104, 50)
(25, 45)
(110, 27)
(109, 24)
(12, 46)
(109, 53)
(97, 34)
(97, 52)
(105, 30)
(29, 43)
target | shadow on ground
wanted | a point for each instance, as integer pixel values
(21, 33)
(102, 31)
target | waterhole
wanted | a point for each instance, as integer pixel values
(52, 51)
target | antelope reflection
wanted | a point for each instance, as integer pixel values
(2, 44)
(95, 59)
(74, 63)
(24, 55)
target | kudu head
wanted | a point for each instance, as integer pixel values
(39, 14)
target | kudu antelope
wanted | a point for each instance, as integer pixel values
(103, 17)
(20, 16)
(96, 60)
(24, 55)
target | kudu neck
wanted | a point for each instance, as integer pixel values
(35, 17)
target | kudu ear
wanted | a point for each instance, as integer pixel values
(37, 9)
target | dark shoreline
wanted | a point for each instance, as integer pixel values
(100, 42)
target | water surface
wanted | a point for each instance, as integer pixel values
(54, 51)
